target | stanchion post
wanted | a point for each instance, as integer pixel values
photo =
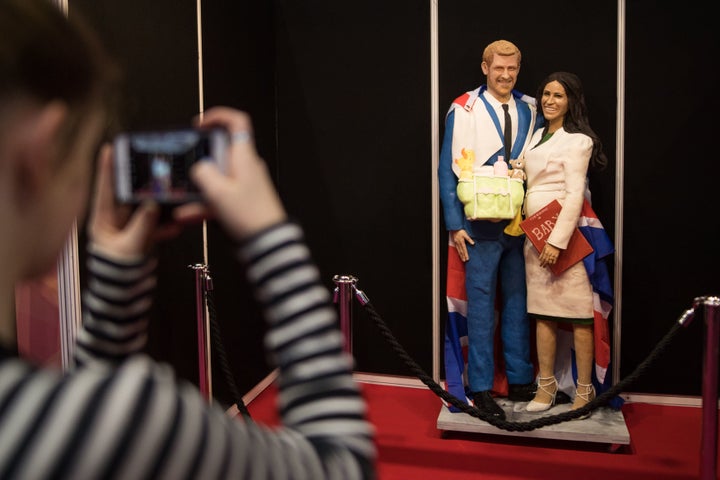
(708, 450)
(342, 296)
(202, 283)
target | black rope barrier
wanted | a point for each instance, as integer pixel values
(219, 351)
(601, 400)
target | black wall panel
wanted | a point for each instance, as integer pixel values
(671, 189)
(238, 71)
(155, 44)
(355, 161)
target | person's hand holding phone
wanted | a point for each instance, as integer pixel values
(121, 229)
(244, 198)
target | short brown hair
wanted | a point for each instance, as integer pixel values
(500, 47)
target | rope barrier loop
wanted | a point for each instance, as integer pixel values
(601, 400)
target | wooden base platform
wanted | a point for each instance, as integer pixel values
(605, 425)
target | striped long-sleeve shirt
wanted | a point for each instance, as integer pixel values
(119, 414)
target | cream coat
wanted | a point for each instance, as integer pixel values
(557, 169)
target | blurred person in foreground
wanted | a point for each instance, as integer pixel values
(116, 413)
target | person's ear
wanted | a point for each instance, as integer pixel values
(40, 147)
(484, 67)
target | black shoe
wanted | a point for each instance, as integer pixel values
(485, 402)
(522, 393)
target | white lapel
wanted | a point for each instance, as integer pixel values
(474, 131)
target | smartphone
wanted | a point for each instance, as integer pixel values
(156, 164)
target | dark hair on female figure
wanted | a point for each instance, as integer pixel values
(576, 119)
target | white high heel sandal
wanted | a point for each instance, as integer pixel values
(535, 406)
(587, 396)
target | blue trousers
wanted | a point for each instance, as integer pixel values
(489, 261)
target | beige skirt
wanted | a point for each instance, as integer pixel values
(567, 297)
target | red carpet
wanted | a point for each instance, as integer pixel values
(664, 444)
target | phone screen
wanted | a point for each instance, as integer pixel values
(156, 165)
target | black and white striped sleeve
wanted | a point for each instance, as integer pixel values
(116, 304)
(318, 397)
(131, 418)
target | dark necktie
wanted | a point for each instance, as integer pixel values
(508, 132)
